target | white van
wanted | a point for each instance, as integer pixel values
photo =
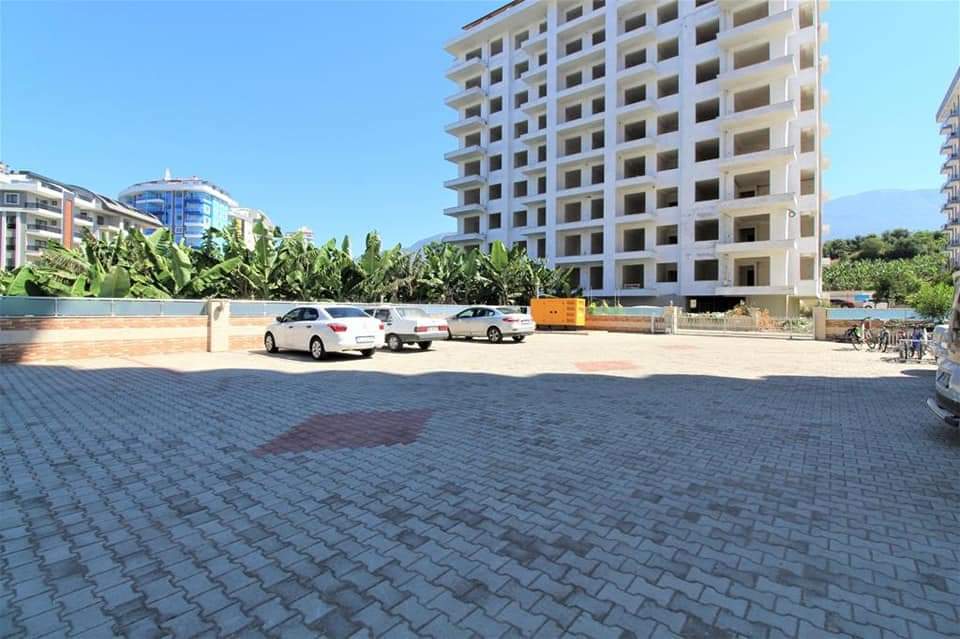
(946, 403)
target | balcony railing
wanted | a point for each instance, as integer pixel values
(32, 205)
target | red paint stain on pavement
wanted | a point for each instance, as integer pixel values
(610, 365)
(349, 430)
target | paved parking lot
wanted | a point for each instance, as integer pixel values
(596, 485)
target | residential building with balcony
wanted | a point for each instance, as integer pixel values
(32, 215)
(187, 206)
(666, 151)
(247, 219)
(948, 117)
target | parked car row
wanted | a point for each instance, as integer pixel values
(333, 328)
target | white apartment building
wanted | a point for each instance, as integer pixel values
(667, 151)
(948, 116)
(247, 219)
(32, 209)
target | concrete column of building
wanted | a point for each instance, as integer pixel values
(611, 134)
(551, 142)
(686, 157)
(20, 239)
(3, 241)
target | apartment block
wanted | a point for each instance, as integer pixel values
(33, 209)
(666, 151)
(948, 117)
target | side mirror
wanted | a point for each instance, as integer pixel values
(280, 319)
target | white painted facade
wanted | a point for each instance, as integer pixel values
(31, 215)
(948, 117)
(669, 151)
(247, 218)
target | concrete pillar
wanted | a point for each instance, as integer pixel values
(218, 326)
(819, 323)
(670, 314)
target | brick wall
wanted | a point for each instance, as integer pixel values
(622, 323)
(246, 333)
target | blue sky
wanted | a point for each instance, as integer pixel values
(331, 114)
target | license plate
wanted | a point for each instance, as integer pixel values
(364, 339)
(943, 379)
(525, 322)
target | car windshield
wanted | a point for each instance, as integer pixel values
(411, 312)
(340, 312)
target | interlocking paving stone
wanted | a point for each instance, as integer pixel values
(686, 486)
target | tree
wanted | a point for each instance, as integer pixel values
(933, 301)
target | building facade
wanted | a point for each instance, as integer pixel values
(34, 210)
(247, 219)
(186, 206)
(948, 117)
(666, 151)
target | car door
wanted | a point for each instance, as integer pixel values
(459, 323)
(284, 336)
(385, 315)
(484, 319)
(304, 328)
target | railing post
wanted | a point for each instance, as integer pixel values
(218, 325)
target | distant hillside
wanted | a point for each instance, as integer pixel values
(419, 244)
(882, 210)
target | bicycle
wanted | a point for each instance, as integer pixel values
(853, 335)
(883, 340)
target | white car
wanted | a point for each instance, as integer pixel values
(409, 325)
(325, 328)
(940, 340)
(492, 322)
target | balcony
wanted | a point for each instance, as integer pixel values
(31, 206)
(767, 203)
(777, 68)
(534, 138)
(464, 238)
(535, 45)
(583, 223)
(592, 53)
(83, 220)
(589, 18)
(587, 258)
(744, 291)
(635, 290)
(534, 106)
(580, 191)
(536, 167)
(760, 116)
(648, 181)
(758, 248)
(582, 90)
(583, 156)
(643, 254)
(465, 182)
(636, 73)
(41, 230)
(535, 76)
(631, 146)
(637, 37)
(464, 125)
(637, 108)
(773, 26)
(465, 209)
(465, 68)
(758, 159)
(580, 123)
(465, 97)
(465, 153)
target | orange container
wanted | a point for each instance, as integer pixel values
(566, 312)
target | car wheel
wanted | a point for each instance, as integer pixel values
(394, 343)
(269, 344)
(316, 349)
(424, 346)
(368, 352)
(518, 338)
(494, 335)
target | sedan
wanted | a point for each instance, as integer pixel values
(322, 329)
(492, 322)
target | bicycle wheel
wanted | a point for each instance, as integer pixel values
(855, 342)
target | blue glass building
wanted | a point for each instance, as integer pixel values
(187, 206)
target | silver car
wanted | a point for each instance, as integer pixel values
(492, 322)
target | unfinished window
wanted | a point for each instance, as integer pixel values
(635, 167)
(571, 212)
(573, 277)
(596, 174)
(573, 13)
(496, 162)
(572, 146)
(750, 14)
(542, 121)
(807, 266)
(596, 276)
(571, 179)
(668, 160)
(572, 112)
(635, 131)
(668, 86)
(520, 129)
(808, 140)
(520, 99)
(596, 139)
(572, 245)
(707, 32)
(493, 221)
(751, 55)
(708, 70)
(667, 272)
(635, 58)
(633, 276)
(521, 245)
(519, 159)
(599, 4)
(807, 226)
(597, 105)
(668, 49)
(635, 22)
(598, 71)
(471, 225)
(752, 228)
(541, 185)
(634, 203)
(472, 111)
(667, 235)
(634, 240)
(751, 98)
(706, 270)
(806, 14)
(542, 247)
(807, 98)
(635, 94)
(667, 198)
(519, 219)
(542, 153)
(574, 79)
(472, 196)
(542, 217)
(542, 90)
(472, 83)
(496, 133)
(808, 183)
(596, 244)
(476, 54)
(806, 57)
(707, 150)
(706, 230)
(496, 75)
(751, 141)
(754, 184)
(520, 38)
(573, 46)
(472, 140)
(542, 59)
(494, 192)
(520, 69)
(667, 13)
(472, 168)
(598, 37)
(596, 208)
(668, 123)
(496, 104)
(496, 47)
(542, 28)
(708, 110)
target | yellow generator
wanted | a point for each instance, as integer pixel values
(559, 312)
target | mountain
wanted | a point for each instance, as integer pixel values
(419, 244)
(882, 210)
